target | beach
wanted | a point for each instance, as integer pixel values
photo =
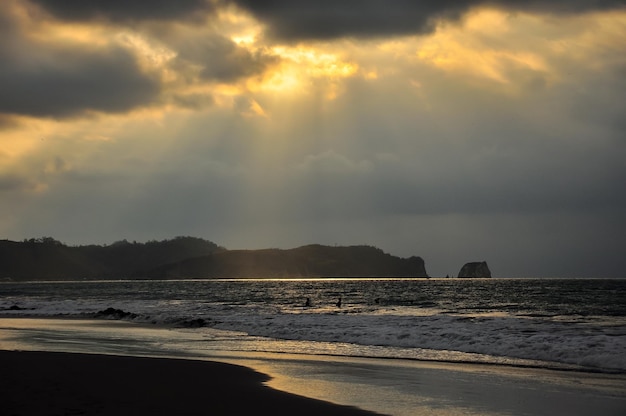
(111, 367)
(45, 383)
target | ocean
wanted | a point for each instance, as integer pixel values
(577, 324)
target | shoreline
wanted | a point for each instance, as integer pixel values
(44, 382)
(521, 364)
(37, 383)
(388, 386)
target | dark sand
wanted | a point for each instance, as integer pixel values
(48, 383)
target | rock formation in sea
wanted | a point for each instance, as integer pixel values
(475, 269)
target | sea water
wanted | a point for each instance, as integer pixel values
(549, 323)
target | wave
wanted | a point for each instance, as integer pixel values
(381, 332)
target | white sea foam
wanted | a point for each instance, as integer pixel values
(370, 331)
(600, 347)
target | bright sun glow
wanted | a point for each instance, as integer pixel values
(470, 49)
(299, 67)
(475, 48)
(151, 56)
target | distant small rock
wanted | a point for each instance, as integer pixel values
(112, 313)
(475, 269)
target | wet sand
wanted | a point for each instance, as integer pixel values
(190, 374)
(51, 383)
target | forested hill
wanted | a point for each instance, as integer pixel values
(48, 259)
(188, 257)
(307, 261)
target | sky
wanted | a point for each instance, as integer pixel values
(456, 131)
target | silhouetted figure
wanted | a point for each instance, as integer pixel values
(307, 303)
(338, 302)
(377, 301)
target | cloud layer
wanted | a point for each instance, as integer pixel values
(457, 131)
(43, 78)
(125, 11)
(330, 19)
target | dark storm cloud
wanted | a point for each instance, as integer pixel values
(124, 10)
(304, 19)
(328, 19)
(71, 82)
(58, 80)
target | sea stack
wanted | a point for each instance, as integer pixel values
(475, 269)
